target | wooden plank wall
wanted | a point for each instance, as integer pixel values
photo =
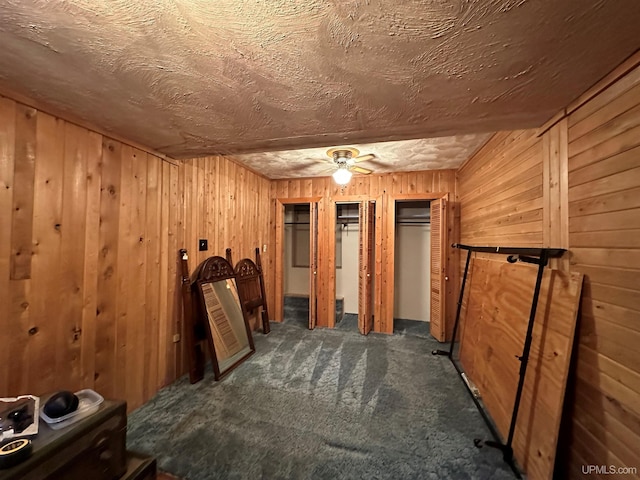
(381, 188)
(500, 192)
(90, 229)
(228, 205)
(604, 237)
(87, 236)
(577, 185)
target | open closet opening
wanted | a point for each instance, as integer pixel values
(412, 259)
(347, 268)
(355, 265)
(297, 240)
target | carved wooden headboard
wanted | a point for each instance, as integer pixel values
(250, 283)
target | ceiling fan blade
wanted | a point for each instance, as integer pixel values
(309, 162)
(300, 166)
(364, 158)
(317, 160)
(364, 171)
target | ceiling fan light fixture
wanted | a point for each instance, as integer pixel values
(342, 176)
(342, 156)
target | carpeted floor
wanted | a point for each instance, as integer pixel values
(349, 322)
(400, 326)
(322, 404)
(296, 309)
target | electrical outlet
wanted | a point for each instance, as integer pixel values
(203, 245)
(176, 338)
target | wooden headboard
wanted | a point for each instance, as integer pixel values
(250, 283)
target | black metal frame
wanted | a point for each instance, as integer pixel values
(537, 256)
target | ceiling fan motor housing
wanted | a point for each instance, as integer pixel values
(343, 156)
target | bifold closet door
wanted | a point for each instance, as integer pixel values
(438, 268)
(366, 263)
(313, 264)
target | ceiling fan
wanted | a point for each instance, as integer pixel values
(345, 158)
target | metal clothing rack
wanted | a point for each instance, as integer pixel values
(536, 256)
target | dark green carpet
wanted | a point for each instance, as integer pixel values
(349, 322)
(322, 404)
(296, 309)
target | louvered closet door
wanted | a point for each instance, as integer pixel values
(438, 268)
(313, 264)
(366, 266)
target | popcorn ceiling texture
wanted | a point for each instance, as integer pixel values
(196, 77)
(403, 155)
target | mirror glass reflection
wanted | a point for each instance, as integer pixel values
(226, 322)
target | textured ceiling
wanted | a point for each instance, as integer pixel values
(403, 155)
(196, 77)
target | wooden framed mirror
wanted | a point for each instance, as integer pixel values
(229, 335)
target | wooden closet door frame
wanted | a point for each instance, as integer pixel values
(331, 278)
(388, 266)
(366, 264)
(313, 265)
(438, 269)
(279, 251)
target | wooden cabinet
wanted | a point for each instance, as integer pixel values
(93, 448)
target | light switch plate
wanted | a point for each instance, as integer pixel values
(203, 245)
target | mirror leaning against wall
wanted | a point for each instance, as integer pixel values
(215, 292)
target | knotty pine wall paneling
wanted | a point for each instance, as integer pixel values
(229, 206)
(380, 188)
(576, 185)
(90, 229)
(501, 194)
(604, 233)
(86, 268)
